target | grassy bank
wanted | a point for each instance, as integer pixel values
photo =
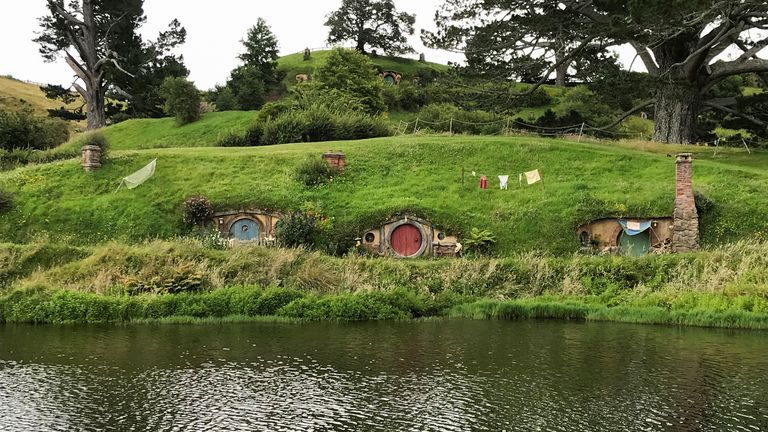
(166, 133)
(251, 304)
(723, 287)
(388, 176)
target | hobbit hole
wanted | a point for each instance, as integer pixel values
(410, 237)
(637, 236)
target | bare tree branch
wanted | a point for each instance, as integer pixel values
(737, 113)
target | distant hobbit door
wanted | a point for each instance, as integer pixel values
(245, 230)
(406, 240)
(636, 245)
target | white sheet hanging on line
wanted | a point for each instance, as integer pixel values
(504, 182)
(139, 177)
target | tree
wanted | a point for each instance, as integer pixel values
(371, 23)
(353, 73)
(151, 63)
(91, 35)
(182, 99)
(247, 86)
(679, 41)
(261, 51)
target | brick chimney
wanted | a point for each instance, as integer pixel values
(685, 235)
(336, 160)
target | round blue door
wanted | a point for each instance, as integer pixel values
(245, 230)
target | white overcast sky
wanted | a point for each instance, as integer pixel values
(214, 30)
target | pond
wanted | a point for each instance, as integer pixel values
(412, 376)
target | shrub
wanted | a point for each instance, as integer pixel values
(254, 134)
(438, 118)
(318, 123)
(198, 211)
(298, 229)
(182, 99)
(351, 72)
(184, 278)
(479, 241)
(22, 129)
(703, 203)
(95, 138)
(6, 202)
(314, 172)
(231, 139)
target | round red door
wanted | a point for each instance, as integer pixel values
(406, 240)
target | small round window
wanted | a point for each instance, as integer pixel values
(369, 238)
(441, 235)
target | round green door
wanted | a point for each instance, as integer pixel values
(636, 245)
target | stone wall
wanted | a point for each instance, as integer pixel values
(685, 235)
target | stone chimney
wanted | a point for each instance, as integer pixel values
(336, 160)
(685, 235)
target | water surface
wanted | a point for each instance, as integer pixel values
(435, 376)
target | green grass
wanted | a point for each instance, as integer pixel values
(166, 133)
(387, 176)
(52, 283)
(294, 64)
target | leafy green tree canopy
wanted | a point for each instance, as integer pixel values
(371, 24)
(352, 72)
(182, 99)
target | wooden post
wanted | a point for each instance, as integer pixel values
(581, 132)
(450, 132)
(416, 126)
(745, 145)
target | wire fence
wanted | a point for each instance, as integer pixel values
(514, 127)
(511, 127)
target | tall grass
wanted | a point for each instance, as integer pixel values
(723, 287)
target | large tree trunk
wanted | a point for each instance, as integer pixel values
(96, 117)
(677, 110)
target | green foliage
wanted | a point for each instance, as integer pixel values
(298, 229)
(479, 241)
(351, 72)
(437, 117)
(23, 130)
(318, 123)
(248, 88)
(261, 51)
(405, 97)
(314, 171)
(182, 100)
(704, 204)
(184, 278)
(95, 138)
(582, 100)
(371, 23)
(6, 202)
(224, 99)
(198, 211)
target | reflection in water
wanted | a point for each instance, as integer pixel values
(441, 376)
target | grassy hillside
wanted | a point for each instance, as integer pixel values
(387, 176)
(165, 132)
(15, 94)
(294, 64)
